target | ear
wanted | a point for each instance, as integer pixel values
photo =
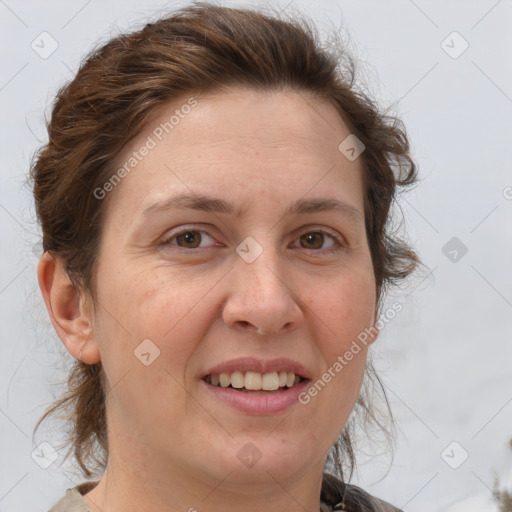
(71, 315)
(373, 330)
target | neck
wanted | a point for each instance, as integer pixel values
(188, 495)
(142, 474)
(142, 486)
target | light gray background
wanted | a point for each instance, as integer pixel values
(446, 358)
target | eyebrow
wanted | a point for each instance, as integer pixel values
(215, 205)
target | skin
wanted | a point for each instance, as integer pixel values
(172, 445)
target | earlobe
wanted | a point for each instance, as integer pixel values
(68, 311)
(373, 330)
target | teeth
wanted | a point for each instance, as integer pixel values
(224, 380)
(270, 381)
(237, 380)
(255, 381)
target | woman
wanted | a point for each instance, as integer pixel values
(214, 200)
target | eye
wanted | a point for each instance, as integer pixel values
(315, 240)
(189, 239)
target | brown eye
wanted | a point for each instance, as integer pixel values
(189, 239)
(313, 240)
(320, 242)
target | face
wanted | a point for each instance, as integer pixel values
(239, 235)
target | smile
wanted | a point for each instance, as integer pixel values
(254, 381)
(255, 401)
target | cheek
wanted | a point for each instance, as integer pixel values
(148, 336)
(155, 302)
(341, 309)
(343, 305)
(173, 311)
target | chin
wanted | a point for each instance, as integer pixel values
(257, 460)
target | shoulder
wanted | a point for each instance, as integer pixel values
(73, 500)
(351, 498)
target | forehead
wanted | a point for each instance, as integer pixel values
(237, 140)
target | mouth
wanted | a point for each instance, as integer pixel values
(256, 386)
(255, 393)
(255, 383)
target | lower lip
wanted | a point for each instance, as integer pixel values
(270, 403)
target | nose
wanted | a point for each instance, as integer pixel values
(262, 297)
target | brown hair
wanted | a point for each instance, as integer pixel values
(116, 90)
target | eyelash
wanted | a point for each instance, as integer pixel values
(339, 241)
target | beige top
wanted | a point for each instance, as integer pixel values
(72, 501)
(335, 496)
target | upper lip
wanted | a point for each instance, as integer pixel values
(251, 364)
